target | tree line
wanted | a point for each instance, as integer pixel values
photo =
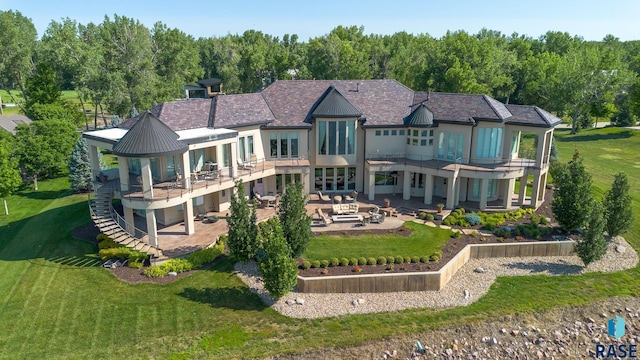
(121, 64)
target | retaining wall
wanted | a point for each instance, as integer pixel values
(432, 280)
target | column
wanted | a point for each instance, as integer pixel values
(535, 189)
(542, 143)
(523, 188)
(306, 180)
(406, 185)
(428, 189)
(128, 217)
(233, 162)
(189, 224)
(483, 194)
(152, 228)
(186, 171)
(456, 199)
(147, 182)
(509, 185)
(372, 185)
(123, 172)
(95, 161)
(451, 188)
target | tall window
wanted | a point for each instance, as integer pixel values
(226, 155)
(338, 179)
(293, 137)
(492, 188)
(336, 137)
(450, 146)
(250, 141)
(514, 144)
(284, 145)
(197, 159)
(242, 149)
(273, 144)
(489, 145)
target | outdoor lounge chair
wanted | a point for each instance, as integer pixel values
(324, 197)
(324, 218)
(351, 197)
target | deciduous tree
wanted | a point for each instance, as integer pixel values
(9, 173)
(18, 44)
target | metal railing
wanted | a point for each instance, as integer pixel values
(435, 162)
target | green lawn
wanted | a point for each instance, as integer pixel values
(55, 302)
(423, 240)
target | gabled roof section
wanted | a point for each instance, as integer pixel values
(178, 115)
(10, 122)
(420, 117)
(149, 137)
(333, 104)
(230, 111)
(462, 108)
(532, 116)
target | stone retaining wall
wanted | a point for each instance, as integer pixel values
(433, 280)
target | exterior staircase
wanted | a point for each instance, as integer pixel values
(110, 223)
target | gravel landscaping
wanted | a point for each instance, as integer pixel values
(468, 285)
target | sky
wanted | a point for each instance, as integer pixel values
(592, 20)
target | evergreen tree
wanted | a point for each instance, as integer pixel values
(279, 271)
(80, 167)
(296, 224)
(243, 231)
(115, 121)
(617, 206)
(572, 198)
(592, 245)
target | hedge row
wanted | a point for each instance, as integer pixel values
(380, 260)
(195, 260)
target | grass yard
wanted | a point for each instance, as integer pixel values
(56, 302)
(423, 240)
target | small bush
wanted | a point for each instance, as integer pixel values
(353, 261)
(544, 220)
(344, 262)
(507, 234)
(382, 260)
(424, 259)
(436, 256)
(362, 261)
(205, 256)
(415, 259)
(315, 264)
(175, 265)
(334, 262)
(399, 260)
(102, 237)
(473, 219)
(391, 259)
(429, 217)
(135, 264)
(422, 215)
(155, 271)
(407, 259)
(462, 211)
(456, 234)
(108, 243)
(474, 234)
(324, 263)
(305, 265)
(389, 267)
(450, 220)
(371, 261)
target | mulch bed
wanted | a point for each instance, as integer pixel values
(136, 276)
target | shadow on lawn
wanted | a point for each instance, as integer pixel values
(553, 268)
(231, 298)
(586, 136)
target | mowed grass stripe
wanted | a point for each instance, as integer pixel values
(60, 319)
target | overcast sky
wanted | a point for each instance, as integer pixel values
(587, 18)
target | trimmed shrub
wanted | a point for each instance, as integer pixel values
(473, 219)
(415, 259)
(315, 264)
(205, 256)
(108, 243)
(436, 256)
(382, 260)
(391, 259)
(135, 264)
(429, 217)
(399, 260)
(344, 262)
(175, 265)
(407, 259)
(334, 262)
(424, 259)
(155, 271)
(362, 261)
(462, 211)
(353, 261)
(456, 234)
(324, 263)
(422, 215)
(371, 261)
(305, 265)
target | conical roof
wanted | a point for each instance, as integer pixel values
(421, 116)
(149, 137)
(333, 104)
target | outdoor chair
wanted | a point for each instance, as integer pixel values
(241, 164)
(324, 197)
(324, 218)
(351, 197)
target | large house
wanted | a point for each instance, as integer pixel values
(333, 136)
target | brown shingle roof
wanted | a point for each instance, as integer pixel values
(381, 102)
(531, 116)
(462, 108)
(242, 109)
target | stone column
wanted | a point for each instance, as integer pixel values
(535, 189)
(186, 171)
(129, 218)
(147, 181)
(483, 194)
(233, 171)
(406, 185)
(523, 188)
(507, 194)
(428, 189)
(372, 185)
(123, 172)
(189, 224)
(451, 188)
(152, 227)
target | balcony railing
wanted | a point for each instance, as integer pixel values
(459, 163)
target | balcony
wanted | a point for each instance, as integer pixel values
(493, 165)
